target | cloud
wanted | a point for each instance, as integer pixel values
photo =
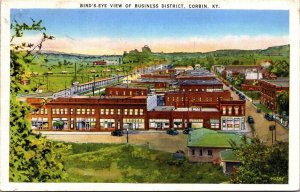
(106, 45)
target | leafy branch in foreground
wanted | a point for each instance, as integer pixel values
(32, 158)
(260, 163)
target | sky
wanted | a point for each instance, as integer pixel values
(112, 31)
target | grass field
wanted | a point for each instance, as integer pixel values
(95, 162)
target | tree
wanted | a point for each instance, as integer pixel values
(261, 164)
(32, 158)
(283, 102)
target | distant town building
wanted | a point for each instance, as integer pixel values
(99, 62)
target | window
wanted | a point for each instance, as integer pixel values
(229, 110)
(83, 111)
(125, 111)
(72, 111)
(214, 123)
(130, 111)
(236, 110)
(42, 111)
(209, 152)
(46, 111)
(66, 111)
(93, 111)
(88, 111)
(111, 111)
(102, 111)
(141, 111)
(136, 111)
(61, 111)
(193, 152)
(119, 111)
(224, 110)
(106, 111)
(78, 111)
(117, 92)
(200, 152)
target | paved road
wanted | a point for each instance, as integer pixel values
(261, 125)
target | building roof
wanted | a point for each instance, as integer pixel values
(197, 73)
(228, 156)
(279, 82)
(209, 138)
(164, 108)
(199, 82)
(156, 80)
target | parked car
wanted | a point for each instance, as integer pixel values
(187, 130)
(117, 133)
(172, 132)
(269, 117)
(258, 110)
(250, 120)
(242, 97)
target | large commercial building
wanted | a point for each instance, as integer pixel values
(193, 103)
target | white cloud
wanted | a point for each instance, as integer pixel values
(105, 45)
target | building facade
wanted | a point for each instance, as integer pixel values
(270, 90)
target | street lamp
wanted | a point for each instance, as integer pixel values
(127, 135)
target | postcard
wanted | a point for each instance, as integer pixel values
(149, 95)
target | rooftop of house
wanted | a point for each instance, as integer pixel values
(199, 82)
(228, 156)
(214, 139)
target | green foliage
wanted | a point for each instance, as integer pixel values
(280, 68)
(261, 164)
(32, 158)
(283, 102)
(96, 162)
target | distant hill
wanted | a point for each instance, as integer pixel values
(282, 50)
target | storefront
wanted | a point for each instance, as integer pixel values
(107, 123)
(159, 123)
(233, 123)
(39, 123)
(85, 123)
(133, 124)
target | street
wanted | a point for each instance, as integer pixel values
(261, 125)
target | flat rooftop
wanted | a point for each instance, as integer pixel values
(197, 73)
(152, 80)
(197, 109)
(133, 85)
(200, 82)
(279, 82)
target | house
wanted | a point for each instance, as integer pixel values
(205, 145)
(229, 161)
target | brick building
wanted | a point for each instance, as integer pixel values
(123, 90)
(188, 99)
(270, 90)
(200, 85)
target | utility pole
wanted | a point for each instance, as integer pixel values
(94, 86)
(75, 78)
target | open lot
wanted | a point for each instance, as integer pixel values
(155, 140)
